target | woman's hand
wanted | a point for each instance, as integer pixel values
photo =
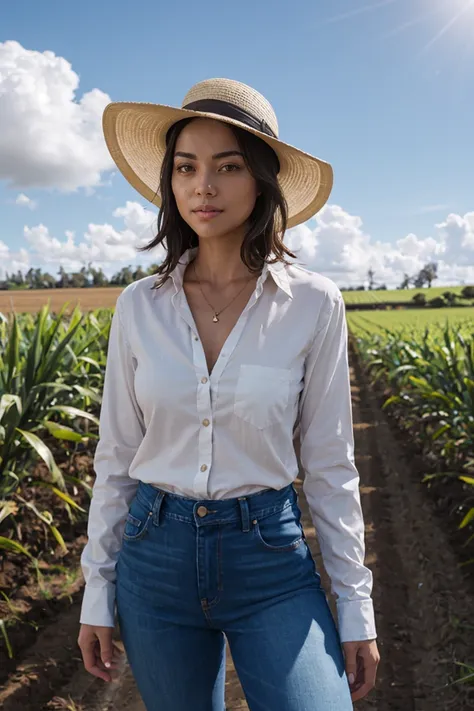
(362, 659)
(98, 651)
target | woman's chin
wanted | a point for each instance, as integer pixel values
(214, 231)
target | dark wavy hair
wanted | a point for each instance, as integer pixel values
(263, 241)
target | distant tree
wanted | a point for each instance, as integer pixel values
(123, 278)
(437, 303)
(97, 276)
(78, 280)
(468, 292)
(431, 270)
(419, 299)
(63, 281)
(450, 298)
(371, 278)
(139, 273)
(407, 279)
(426, 275)
(420, 280)
(48, 281)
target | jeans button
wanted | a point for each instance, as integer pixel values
(202, 511)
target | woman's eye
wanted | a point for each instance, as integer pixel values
(183, 168)
(230, 167)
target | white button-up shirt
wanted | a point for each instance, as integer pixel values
(166, 421)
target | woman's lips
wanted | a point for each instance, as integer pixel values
(207, 214)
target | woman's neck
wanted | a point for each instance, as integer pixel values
(219, 263)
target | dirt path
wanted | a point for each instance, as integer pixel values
(421, 599)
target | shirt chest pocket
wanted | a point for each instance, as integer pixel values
(262, 395)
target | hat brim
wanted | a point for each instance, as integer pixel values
(135, 136)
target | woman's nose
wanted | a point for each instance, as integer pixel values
(205, 187)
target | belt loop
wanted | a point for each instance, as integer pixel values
(244, 513)
(157, 507)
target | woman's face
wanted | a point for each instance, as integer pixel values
(209, 171)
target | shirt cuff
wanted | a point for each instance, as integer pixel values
(356, 620)
(98, 606)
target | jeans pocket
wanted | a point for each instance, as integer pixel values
(280, 532)
(137, 521)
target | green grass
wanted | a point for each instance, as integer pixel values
(376, 321)
(394, 295)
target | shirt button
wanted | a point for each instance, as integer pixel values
(203, 381)
(206, 423)
(196, 338)
(204, 468)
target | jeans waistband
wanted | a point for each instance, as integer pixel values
(210, 512)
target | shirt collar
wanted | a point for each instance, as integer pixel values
(278, 272)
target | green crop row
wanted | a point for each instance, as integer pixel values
(51, 377)
(429, 374)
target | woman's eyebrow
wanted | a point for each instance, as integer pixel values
(216, 156)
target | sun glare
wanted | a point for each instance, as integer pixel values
(457, 13)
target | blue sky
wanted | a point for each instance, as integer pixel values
(382, 90)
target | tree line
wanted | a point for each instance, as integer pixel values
(87, 277)
(425, 277)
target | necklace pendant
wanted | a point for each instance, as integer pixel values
(215, 319)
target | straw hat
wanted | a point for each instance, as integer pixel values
(135, 134)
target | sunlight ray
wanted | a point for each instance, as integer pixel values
(411, 23)
(448, 26)
(358, 11)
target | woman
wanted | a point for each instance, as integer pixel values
(194, 527)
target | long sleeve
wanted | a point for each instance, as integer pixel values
(331, 480)
(120, 434)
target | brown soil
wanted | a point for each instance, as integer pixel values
(32, 300)
(422, 597)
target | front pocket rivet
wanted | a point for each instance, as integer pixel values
(254, 521)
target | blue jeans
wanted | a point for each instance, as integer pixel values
(190, 572)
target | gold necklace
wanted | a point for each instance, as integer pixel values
(215, 318)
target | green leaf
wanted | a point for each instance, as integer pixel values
(12, 357)
(34, 354)
(440, 431)
(62, 432)
(75, 412)
(467, 479)
(88, 392)
(420, 383)
(91, 361)
(7, 508)
(45, 453)
(391, 400)
(467, 519)
(13, 546)
(6, 638)
(59, 538)
(6, 401)
(62, 495)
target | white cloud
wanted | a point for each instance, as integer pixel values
(24, 201)
(337, 246)
(13, 262)
(102, 245)
(49, 137)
